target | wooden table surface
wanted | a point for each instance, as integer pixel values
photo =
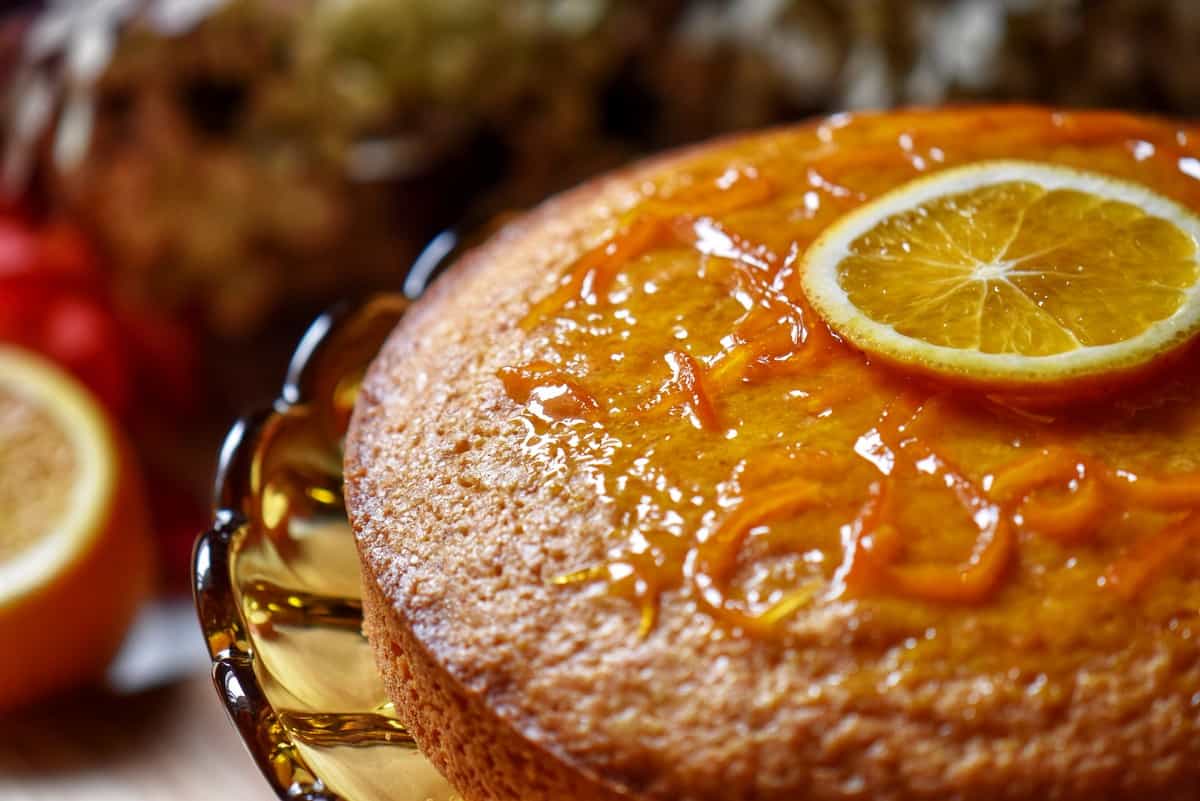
(168, 740)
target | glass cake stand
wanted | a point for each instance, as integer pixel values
(277, 580)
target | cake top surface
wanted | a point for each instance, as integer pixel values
(620, 478)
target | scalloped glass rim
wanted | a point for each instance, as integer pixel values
(275, 578)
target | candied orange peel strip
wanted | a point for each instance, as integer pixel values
(1074, 520)
(593, 274)
(1180, 491)
(780, 334)
(869, 544)
(685, 218)
(559, 393)
(1071, 521)
(640, 575)
(732, 364)
(717, 556)
(686, 385)
(971, 583)
(1150, 555)
(1015, 481)
(1068, 521)
(877, 539)
(976, 580)
(765, 624)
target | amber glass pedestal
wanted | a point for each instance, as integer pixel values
(277, 587)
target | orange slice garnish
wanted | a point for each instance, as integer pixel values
(1012, 274)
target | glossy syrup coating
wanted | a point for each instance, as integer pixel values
(820, 427)
(716, 553)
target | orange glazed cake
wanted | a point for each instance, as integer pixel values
(852, 460)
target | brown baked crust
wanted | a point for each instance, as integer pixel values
(519, 692)
(482, 755)
(486, 757)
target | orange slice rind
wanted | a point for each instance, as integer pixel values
(75, 548)
(1012, 274)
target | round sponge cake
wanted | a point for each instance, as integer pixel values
(609, 476)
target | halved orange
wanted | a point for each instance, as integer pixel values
(75, 548)
(1012, 274)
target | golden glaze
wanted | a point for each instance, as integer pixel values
(751, 459)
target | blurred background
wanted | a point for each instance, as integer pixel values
(185, 183)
